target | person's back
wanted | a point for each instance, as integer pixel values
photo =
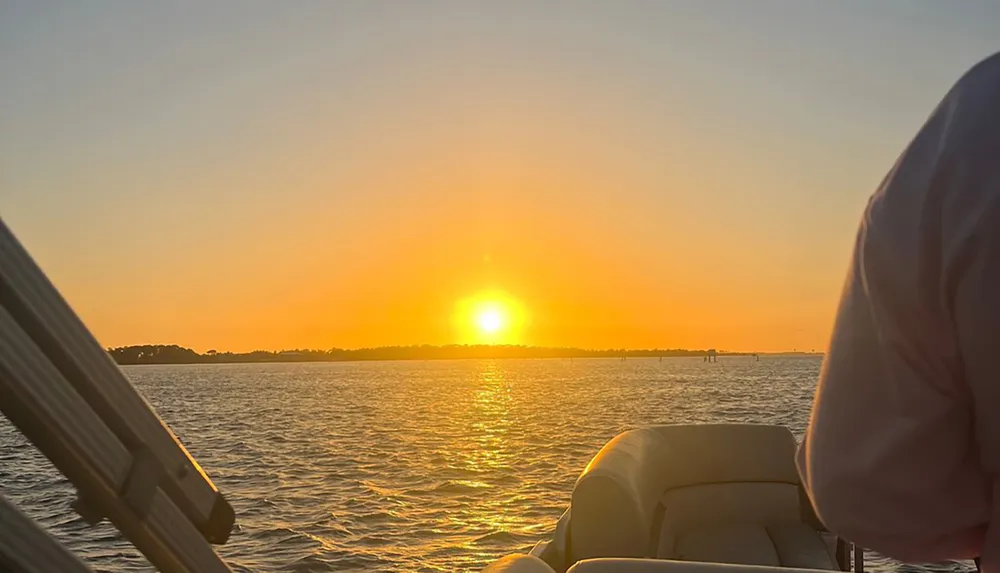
(902, 454)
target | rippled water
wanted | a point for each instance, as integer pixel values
(407, 466)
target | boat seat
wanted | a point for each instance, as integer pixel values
(774, 545)
(716, 493)
(745, 523)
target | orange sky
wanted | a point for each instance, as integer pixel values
(282, 179)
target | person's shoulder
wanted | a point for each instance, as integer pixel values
(983, 76)
(973, 109)
(971, 146)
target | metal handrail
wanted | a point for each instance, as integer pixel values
(67, 396)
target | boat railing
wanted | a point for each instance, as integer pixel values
(60, 388)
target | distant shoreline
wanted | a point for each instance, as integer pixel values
(174, 354)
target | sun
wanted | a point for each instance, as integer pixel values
(490, 320)
(490, 317)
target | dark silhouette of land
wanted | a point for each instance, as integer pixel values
(173, 354)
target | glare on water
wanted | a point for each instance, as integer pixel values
(407, 466)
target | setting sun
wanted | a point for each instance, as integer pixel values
(491, 320)
(490, 317)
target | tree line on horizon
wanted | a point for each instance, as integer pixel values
(174, 354)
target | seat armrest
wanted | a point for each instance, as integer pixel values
(615, 499)
(554, 550)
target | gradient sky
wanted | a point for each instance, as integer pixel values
(246, 175)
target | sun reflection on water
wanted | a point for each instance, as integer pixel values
(491, 421)
(425, 467)
(489, 452)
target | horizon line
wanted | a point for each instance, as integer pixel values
(213, 351)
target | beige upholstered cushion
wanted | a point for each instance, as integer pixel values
(615, 500)
(799, 545)
(773, 545)
(718, 503)
(724, 453)
(744, 544)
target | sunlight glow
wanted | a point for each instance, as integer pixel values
(490, 320)
(490, 317)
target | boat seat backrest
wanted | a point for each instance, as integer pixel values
(696, 507)
(650, 486)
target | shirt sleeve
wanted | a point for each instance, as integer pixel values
(904, 437)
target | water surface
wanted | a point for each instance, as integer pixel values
(407, 466)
